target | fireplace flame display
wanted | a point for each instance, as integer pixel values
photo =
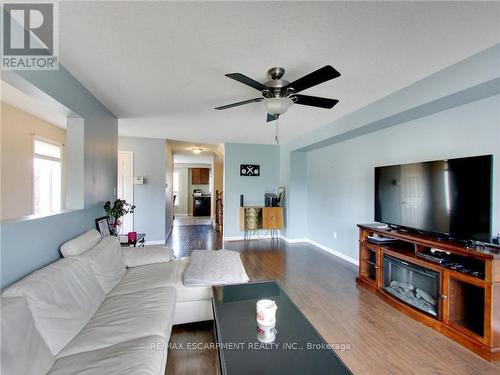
(414, 285)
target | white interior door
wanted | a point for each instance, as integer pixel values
(126, 186)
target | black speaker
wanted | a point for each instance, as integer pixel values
(241, 200)
(271, 200)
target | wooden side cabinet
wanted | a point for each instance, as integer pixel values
(256, 217)
(272, 218)
(463, 302)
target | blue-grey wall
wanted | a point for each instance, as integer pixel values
(253, 188)
(29, 244)
(150, 162)
(452, 113)
(340, 177)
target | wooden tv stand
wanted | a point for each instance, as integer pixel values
(469, 306)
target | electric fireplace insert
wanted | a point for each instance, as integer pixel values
(414, 285)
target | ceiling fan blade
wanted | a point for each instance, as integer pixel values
(321, 75)
(239, 103)
(315, 101)
(246, 81)
(271, 117)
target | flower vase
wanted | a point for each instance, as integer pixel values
(115, 227)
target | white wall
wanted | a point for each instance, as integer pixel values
(74, 163)
(340, 177)
(150, 162)
(181, 207)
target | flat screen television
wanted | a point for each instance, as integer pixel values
(450, 197)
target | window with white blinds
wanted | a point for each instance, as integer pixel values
(47, 176)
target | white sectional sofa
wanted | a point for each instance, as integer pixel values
(89, 314)
(193, 304)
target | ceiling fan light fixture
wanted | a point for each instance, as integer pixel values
(277, 106)
(197, 150)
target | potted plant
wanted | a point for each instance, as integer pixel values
(119, 209)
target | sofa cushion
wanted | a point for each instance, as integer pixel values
(22, 345)
(190, 293)
(62, 298)
(107, 262)
(81, 244)
(145, 356)
(161, 274)
(126, 317)
(140, 278)
(140, 256)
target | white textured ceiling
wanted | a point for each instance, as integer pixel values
(183, 152)
(159, 66)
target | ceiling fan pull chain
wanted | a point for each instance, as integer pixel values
(277, 136)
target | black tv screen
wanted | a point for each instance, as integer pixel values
(450, 197)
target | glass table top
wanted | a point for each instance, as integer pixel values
(297, 349)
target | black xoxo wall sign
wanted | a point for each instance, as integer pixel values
(249, 170)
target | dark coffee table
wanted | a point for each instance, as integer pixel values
(298, 348)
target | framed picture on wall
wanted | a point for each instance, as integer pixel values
(280, 196)
(249, 170)
(102, 225)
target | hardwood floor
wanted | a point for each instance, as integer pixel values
(184, 360)
(186, 238)
(191, 220)
(380, 340)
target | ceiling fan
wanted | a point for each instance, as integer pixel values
(278, 94)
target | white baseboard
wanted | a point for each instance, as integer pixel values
(334, 252)
(181, 215)
(235, 238)
(322, 247)
(294, 240)
(156, 242)
(254, 237)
